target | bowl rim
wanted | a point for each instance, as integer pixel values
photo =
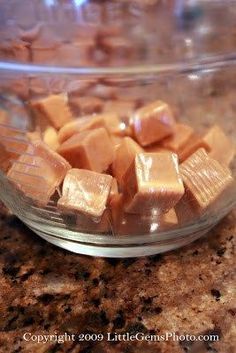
(202, 63)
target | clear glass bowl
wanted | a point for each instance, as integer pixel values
(182, 52)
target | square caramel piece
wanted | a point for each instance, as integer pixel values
(152, 123)
(85, 105)
(126, 223)
(87, 224)
(110, 121)
(55, 108)
(11, 137)
(50, 137)
(194, 143)
(221, 147)
(153, 183)
(205, 179)
(116, 140)
(179, 139)
(39, 171)
(135, 224)
(169, 219)
(114, 189)
(92, 150)
(124, 157)
(86, 192)
(124, 108)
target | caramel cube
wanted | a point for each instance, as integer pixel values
(123, 108)
(55, 108)
(34, 136)
(86, 105)
(156, 147)
(77, 53)
(221, 148)
(11, 137)
(50, 137)
(117, 47)
(135, 224)
(124, 157)
(194, 143)
(126, 223)
(204, 178)
(186, 211)
(179, 139)
(153, 123)
(90, 225)
(114, 188)
(86, 192)
(39, 171)
(169, 219)
(116, 140)
(153, 183)
(110, 122)
(90, 149)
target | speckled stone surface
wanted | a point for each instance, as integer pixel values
(45, 290)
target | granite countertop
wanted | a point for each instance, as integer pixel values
(45, 290)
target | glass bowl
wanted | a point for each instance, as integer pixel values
(129, 52)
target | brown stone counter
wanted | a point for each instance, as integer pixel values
(45, 290)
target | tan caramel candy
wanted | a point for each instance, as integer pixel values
(72, 128)
(116, 140)
(136, 224)
(78, 53)
(39, 171)
(44, 55)
(86, 105)
(15, 50)
(118, 47)
(110, 122)
(77, 88)
(38, 87)
(192, 145)
(103, 91)
(169, 219)
(126, 223)
(11, 137)
(114, 188)
(123, 108)
(153, 123)
(54, 108)
(221, 148)
(50, 137)
(90, 149)
(34, 136)
(44, 47)
(179, 139)
(110, 30)
(17, 85)
(47, 51)
(153, 183)
(31, 34)
(89, 225)
(86, 192)
(156, 147)
(124, 157)
(204, 178)
(5, 158)
(185, 210)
